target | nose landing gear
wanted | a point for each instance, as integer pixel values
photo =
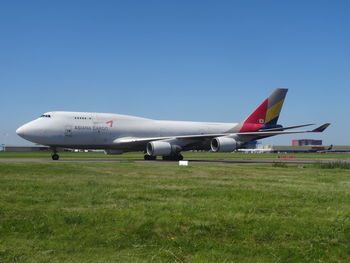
(54, 155)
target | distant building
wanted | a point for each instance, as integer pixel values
(306, 142)
(39, 148)
(310, 148)
(26, 148)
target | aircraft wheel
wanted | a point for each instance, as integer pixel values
(149, 157)
(55, 157)
(175, 157)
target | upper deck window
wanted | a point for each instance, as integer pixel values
(45, 116)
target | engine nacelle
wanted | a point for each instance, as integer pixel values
(223, 144)
(157, 148)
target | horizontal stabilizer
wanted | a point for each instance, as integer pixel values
(321, 128)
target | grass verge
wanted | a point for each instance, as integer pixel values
(133, 212)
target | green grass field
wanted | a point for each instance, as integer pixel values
(135, 212)
(187, 155)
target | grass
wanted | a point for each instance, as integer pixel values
(187, 155)
(280, 164)
(334, 165)
(134, 212)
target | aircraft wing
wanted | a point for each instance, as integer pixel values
(257, 135)
(149, 139)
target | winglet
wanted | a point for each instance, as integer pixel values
(321, 128)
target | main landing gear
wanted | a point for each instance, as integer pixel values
(173, 157)
(149, 157)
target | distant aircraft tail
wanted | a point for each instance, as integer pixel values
(266, 115)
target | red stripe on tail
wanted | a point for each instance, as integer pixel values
(256, 120)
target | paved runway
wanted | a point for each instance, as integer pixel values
(217, 161)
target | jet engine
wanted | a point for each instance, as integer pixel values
(157, 148)
(223, 144)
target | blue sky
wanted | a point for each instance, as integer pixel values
(179, 60)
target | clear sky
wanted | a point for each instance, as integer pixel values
(178, 60)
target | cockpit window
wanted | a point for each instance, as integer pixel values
(45, 116)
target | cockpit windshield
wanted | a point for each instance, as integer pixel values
(45, 116)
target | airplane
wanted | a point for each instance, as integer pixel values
(117, 133)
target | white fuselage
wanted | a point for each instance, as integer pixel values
(102, 130)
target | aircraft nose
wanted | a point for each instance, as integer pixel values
(34, 131)
(21, 131)
(29, 131)
(24, 130)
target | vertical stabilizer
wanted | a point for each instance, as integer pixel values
(266, 115)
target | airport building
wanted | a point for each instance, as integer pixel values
(309, 145)
(306, 142)
(34, 148)
(302, 146)
(320, 149)
(37, 148)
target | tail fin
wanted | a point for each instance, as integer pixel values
(266, 115)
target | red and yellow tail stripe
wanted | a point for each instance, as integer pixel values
(266, 115)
